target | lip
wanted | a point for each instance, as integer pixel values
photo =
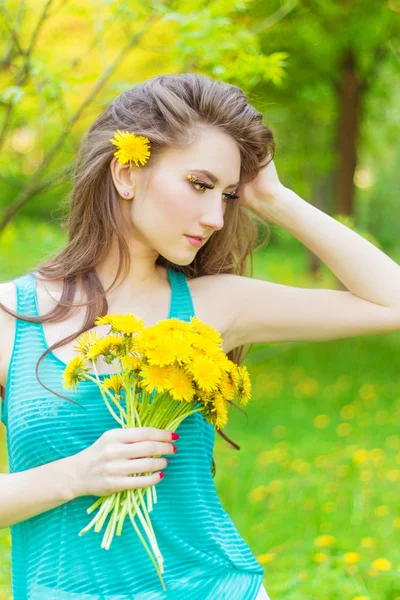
(195, 241)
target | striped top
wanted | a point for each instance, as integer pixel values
(204, 555)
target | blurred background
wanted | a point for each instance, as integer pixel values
(314, 488)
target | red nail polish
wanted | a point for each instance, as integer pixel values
(175, 436)
(161, 475)
(167, 460)
(175, 448)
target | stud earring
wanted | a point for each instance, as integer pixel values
(126, 193)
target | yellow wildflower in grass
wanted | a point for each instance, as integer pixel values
(381, 511)
(258, 493)
(205, 373)
(320, 557)
(85, 341)
(75, 372)
(368, 542)
(266, 558)
(396, 522)
(381, 564)
(351, 558)
(180, 384)
(131, 147)
(321, 421)
(361, 598)
(155, 376)
(325, 541)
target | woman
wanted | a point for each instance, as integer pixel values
(207, 173)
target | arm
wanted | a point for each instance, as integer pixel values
(268, 312)
(28, 493)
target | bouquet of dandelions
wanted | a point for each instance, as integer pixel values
(166, 373)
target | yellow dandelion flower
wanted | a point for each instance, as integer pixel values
(368, 542)
(266, 558)
(320, 557)
(74, 372)
(325, 541)
(105, 346)
(351, 558)
(164, 353)
(220, 410)
(175, 324)
(127, 324)
(180, 384)
(85, 341)
(131, 147)
(204, 343)
(205, 373)
(105, 320)
(148, 339)
(114, 382)
(225, 387)
(206, 330)
(155, 377)
(244, 387)
(233, 372)
(131, 362)
(381, 564)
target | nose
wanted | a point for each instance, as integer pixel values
(213, 216)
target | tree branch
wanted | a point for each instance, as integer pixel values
(32, 186)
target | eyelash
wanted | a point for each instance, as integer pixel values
(211, 187)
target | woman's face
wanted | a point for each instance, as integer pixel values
(167, 207)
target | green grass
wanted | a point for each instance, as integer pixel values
(314, 488)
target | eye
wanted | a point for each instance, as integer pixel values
(207, 186)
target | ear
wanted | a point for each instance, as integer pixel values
(124, 178)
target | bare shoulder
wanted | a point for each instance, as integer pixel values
(212, 300)
(7, 327)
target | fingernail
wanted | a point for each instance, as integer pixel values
(175, 447)
(161, 475)
(167, 460)
(175, 436)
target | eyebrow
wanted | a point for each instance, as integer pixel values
(213, 178)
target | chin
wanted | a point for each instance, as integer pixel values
(181, 261)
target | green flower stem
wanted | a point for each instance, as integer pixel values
(106, 502)
(159, 571)
(101, 387)
(101, 520)
(123, 513)
(109, 533)
(146, 524)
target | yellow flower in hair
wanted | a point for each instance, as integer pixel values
(131, 147)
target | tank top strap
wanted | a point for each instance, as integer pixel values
(181, 303)
(26, 296)
(27, 336)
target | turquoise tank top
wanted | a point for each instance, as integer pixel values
(205, 558)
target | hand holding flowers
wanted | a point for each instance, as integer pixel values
(166, 373)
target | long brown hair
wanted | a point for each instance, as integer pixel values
(169, 110)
